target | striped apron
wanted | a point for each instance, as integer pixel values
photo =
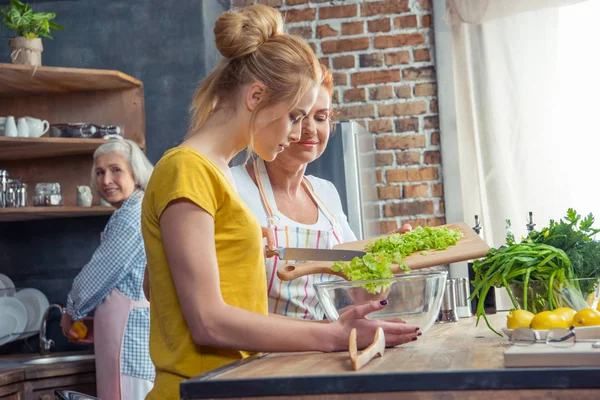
(296, 298)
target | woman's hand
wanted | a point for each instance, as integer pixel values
(396, 332)
(403, 229)
(66, 322)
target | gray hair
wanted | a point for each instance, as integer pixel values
(141, 167)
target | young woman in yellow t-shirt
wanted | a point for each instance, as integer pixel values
(204, 246)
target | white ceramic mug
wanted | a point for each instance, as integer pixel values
(10, 127)
(22, 128)
(37, 127)
(2, 123)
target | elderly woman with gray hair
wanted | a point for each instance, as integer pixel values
(111, 282)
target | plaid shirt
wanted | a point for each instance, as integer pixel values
(119, 263)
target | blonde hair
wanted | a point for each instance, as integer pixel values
(141, 167)
(327, 83)
(255, 49)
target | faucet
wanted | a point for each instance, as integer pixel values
(46, 344)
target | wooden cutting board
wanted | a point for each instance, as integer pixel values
(541, 355)
(470, 247)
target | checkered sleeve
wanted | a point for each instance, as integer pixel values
(111, 262)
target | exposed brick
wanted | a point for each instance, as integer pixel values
(325, 61)
(340, 79)
(345, 45)
(435, 139)
(396, 175)
(433, 106)
(415, 222)
(240, 3)
(421, 190)
(370, 60)
(346, 11)
(324, 31)
(305, 32)
(353, 28)
(387, 226)
(431, 123)
(354, 95)
(379, 176)
(382, 159)
(422, 174)
(379, 25)
(441, 207)
(373, 77)
(407, 21)
(353, 112)
(422, 55)
(300, 14)
(437, 190)
(313, 46)
(404, 91)
(413, 74)
(407, 125)
(408, 208)
(380, 126)
(425, 4)
(401, 142)
(425, 89)
(343, 62)
(432, 157)
(384, 7)
(436, 221)
(388, 192)
(335, 98)
(270, 3)
(401, 109)
(381, 93)
(408, 157)
(408, 39)
(426, 21)
(397, 57)
(295, 2)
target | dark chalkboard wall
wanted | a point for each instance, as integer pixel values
(168, 45)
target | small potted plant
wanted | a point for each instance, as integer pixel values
(29, 26)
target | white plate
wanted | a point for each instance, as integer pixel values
(36, 304)
(14, 318)
(7, 287)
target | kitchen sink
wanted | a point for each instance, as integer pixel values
(59, 359)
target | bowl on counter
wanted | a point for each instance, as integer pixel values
(572, 293)
(416, 297)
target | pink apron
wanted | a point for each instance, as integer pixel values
(110, 321)
(296, 298)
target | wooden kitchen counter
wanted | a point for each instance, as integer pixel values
(450, 361)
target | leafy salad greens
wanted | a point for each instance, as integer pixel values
(384, 252)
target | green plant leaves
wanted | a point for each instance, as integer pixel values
(22, 19)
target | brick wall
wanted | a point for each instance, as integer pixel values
(382, 57)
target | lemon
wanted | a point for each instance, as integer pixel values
(567, 313)
(548, 320)
(587, 317)
(519, 319)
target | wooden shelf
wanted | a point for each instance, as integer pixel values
(37, 213)
(19, 80)
(17, 148)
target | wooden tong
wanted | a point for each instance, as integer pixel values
(376, 349)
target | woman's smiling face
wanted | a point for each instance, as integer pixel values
(314, 134)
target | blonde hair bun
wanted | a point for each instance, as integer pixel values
(241, 32)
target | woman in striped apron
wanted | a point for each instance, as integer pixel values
(301, 211)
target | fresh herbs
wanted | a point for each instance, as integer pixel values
(539, 272)
(376, 264)
(22, 19)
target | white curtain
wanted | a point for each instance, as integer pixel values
(526, 85)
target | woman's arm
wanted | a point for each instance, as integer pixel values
(188, 238)
(112, 261)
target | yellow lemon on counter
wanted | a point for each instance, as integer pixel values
(519, 319)
(587, 317)
(548, 320)
(567, 313)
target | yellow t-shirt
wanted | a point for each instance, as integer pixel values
(183, 172)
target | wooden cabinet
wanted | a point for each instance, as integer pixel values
(64, 95)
